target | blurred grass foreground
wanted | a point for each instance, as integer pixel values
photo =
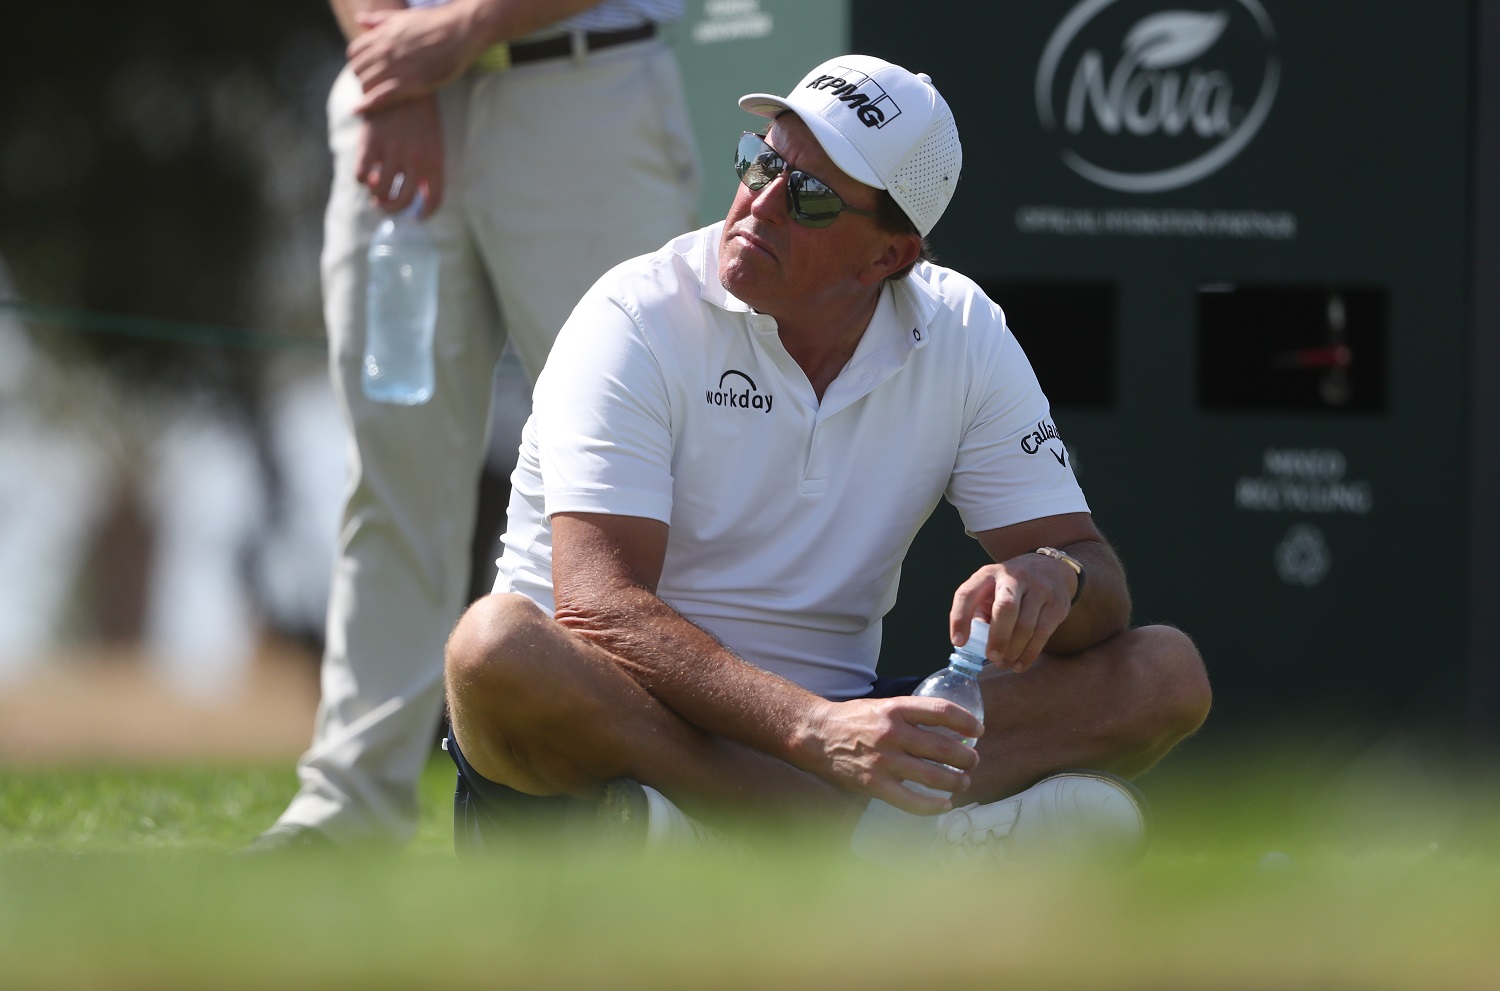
(1383, 874)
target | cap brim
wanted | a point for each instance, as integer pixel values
(763, 104)
(844, 154)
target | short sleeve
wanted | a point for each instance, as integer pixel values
(604, 418)
(1012, 464)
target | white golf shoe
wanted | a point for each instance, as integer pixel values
(1088, 816)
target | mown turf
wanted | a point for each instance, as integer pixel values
(184, 810)
(1381, 875)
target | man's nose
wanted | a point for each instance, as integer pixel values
(770, 202)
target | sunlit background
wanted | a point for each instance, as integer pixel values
(172, 458)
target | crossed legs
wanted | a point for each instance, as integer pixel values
(546, 712)
(1118, 707)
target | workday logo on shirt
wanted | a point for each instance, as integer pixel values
(737, 391)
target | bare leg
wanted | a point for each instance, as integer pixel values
(546, 712)
(1118, 707)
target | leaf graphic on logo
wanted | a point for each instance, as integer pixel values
(1174, 37)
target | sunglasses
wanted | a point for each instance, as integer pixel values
(810, 202)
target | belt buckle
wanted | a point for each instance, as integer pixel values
(495, 58)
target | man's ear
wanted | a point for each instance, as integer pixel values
(900, 250)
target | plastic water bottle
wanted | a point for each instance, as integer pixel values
(888, 834)
(401, 310)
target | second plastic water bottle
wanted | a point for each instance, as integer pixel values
(400, 310)
(888, 834)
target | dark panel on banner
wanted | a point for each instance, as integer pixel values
(1068, 331)
(1281, 348)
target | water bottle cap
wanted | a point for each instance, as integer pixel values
(979, 635)
(970, 657)
(414, 211)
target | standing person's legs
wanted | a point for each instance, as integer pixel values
(587, 165)
(401, 574)
(596, 163)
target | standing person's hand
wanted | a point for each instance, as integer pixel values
(405, 54)
(401, 152)
(873, 746)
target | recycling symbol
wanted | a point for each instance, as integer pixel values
(1302, 557)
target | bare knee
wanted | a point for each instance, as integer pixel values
(500, 689)
(1179, 696)
(1159, 696)
(487, 654)
(531, 704)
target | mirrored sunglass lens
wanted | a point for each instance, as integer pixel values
(755, 162)
(813, 204)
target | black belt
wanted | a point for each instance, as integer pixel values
(498, 58)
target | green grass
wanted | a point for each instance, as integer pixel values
(209, 810)
(1383, 874)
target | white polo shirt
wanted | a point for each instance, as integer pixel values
(668, 398)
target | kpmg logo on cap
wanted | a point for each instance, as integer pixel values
(856, 90)
(1146, 100)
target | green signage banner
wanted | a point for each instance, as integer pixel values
(1233, 237)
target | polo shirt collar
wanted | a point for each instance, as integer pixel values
(917, 306)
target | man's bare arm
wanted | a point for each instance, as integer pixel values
(504, 19)
(347, 13)
(605, 570)
(404, 54)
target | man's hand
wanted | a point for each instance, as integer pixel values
(405, 54)
(402, 151)
(1025, 598)
(872, 746)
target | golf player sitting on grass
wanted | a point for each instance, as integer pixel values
(735, 440)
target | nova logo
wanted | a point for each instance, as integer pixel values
(1145, 100)
(871, 104)
(737, 390)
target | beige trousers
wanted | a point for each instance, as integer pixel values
(555, 171)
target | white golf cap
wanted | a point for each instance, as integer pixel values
(884, 126)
